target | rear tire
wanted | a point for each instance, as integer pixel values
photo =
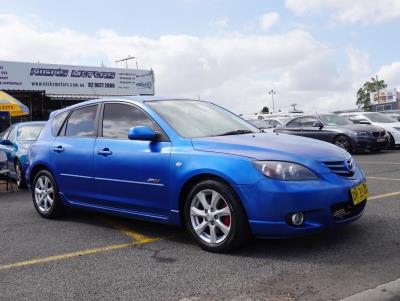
(21, 183)
(45, 196)
(215, 218)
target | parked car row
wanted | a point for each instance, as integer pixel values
(391, 125)
(354, 132)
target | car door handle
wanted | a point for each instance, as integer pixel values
(58, 149)
(104, 152)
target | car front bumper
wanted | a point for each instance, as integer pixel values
(396, 136)
(370, 143)
(324, 203)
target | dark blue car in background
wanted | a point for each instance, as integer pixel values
(15, 142)
(193, 163)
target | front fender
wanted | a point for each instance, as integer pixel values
(234, 170)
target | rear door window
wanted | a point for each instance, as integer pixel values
(308, 122)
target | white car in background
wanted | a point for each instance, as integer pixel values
(261, 124)
(391, 125)
(278, 121)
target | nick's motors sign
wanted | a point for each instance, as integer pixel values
(82, 80)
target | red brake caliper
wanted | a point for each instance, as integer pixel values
(226, 220)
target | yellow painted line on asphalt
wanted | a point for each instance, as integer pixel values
(66, 256)
(383, 162)
(138, 239)
(382, 196)
(382, 178)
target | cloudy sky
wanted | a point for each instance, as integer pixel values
(315, 53)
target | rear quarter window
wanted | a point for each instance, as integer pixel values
(58, 122)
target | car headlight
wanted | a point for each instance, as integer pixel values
(359, 133)
(286, 171)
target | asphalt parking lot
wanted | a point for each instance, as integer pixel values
(87, 256)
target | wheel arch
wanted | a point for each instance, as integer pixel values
(35, 169)
(348, 137)
(195, 179)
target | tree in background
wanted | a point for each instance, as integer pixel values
(363, 99)
(264, 110)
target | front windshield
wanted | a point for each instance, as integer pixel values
(379, 118)
(29, 132)
(334, 120)
(193, 119)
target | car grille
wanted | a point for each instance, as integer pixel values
(341, 168)
(379, 134)
(346, 210)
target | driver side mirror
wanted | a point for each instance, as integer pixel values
(364, 121)
(144, 133)
(318, 124)
(6, 142)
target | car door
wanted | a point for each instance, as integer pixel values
(131, 174)
(72, 155)
(312, 128)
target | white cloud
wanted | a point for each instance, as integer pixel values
(268, 20)
(220, 23)
(234, 70)
(350, 11)
(358, 62)
(391, 74)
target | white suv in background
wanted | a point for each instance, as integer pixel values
(391, 125)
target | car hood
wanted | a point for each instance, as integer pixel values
(390, 125)
(271, 146)
(360, 127)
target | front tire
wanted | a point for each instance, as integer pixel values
(45, 196)
(214, 217)
(343, 142)
(391, 142)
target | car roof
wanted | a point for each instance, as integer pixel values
(132, 99)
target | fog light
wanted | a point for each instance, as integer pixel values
(297, 218)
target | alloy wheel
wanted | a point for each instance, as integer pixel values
(44, 194)
(210, 216)
(343, 142)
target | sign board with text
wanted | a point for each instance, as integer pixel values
(385, 96)
(75, 80)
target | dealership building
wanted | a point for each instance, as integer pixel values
(48, 87)
(388, 99)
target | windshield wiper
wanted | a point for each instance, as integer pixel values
(237, 132)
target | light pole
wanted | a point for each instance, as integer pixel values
(377, 87)
(272, 93)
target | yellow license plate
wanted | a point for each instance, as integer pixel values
(359, 193)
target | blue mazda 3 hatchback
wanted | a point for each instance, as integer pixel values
(190, 162)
